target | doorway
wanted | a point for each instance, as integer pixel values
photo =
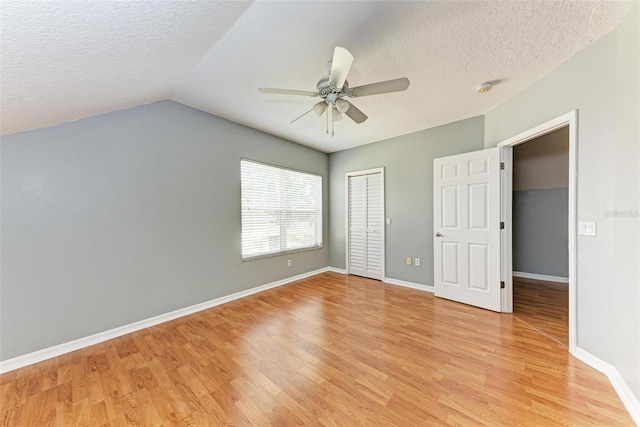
(540, 233)
(365, 232)
(567, 124)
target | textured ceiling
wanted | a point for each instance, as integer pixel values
(65, 60)
(62, 61)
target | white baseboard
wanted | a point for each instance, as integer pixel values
(406, 284)
(391, 281)
(57, 350)
(541, 277)
(629, 400)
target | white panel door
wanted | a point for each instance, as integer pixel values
(366, 225)
(466, 224)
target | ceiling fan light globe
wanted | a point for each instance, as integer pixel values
(320, 107)
(337, 116)
(342, 105)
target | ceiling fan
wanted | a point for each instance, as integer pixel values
(334, 88)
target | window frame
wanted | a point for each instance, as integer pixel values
(320, 212)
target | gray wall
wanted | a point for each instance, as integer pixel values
(543, 162)
(408, 163)
(127, 215)
(540, 232)
(602, 83)
(540, 205)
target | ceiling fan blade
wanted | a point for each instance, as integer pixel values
(355, 114)
(287, 91)
(340, 66)
(396, 85)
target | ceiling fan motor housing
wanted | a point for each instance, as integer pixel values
(330, 93)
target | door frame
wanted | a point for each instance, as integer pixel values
(506, 156)
(347, 175)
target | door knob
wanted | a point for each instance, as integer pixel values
(438, 234)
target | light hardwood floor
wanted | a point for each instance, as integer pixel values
(328, 350)
(544, 306)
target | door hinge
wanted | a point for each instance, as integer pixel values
(501, 166)
(501, 225)
(501, 285)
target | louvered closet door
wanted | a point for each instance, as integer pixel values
(374, 226)
(366, 255)
(357, 225)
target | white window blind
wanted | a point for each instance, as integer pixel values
(281, 210)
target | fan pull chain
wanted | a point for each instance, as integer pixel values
(330, 113)
(327, 123)
(300, 116)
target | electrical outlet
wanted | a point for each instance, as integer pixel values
(408, 260)
(417, 262)
(288, 263)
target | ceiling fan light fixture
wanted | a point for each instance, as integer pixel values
(320, 107)
(334, 87)
(342, 105)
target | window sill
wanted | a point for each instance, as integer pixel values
(294, 251)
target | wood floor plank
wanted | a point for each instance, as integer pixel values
(544, 306)
(330, 350)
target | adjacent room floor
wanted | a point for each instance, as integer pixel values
(543, 306)
(327, 350)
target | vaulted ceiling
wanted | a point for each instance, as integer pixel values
(64, 60)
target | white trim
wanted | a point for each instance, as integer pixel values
(384, 224)
(366, 171)
(57, 350)
(629, 400)
(506, 241)
(347, 175)
(337, 270)
(543, 129)
(406, 284)
(544, 277)
(570, 119)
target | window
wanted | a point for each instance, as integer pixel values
(281, 210)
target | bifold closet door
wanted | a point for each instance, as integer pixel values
(366, 222)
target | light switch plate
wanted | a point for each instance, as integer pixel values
(587, 228)
(388, 221)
